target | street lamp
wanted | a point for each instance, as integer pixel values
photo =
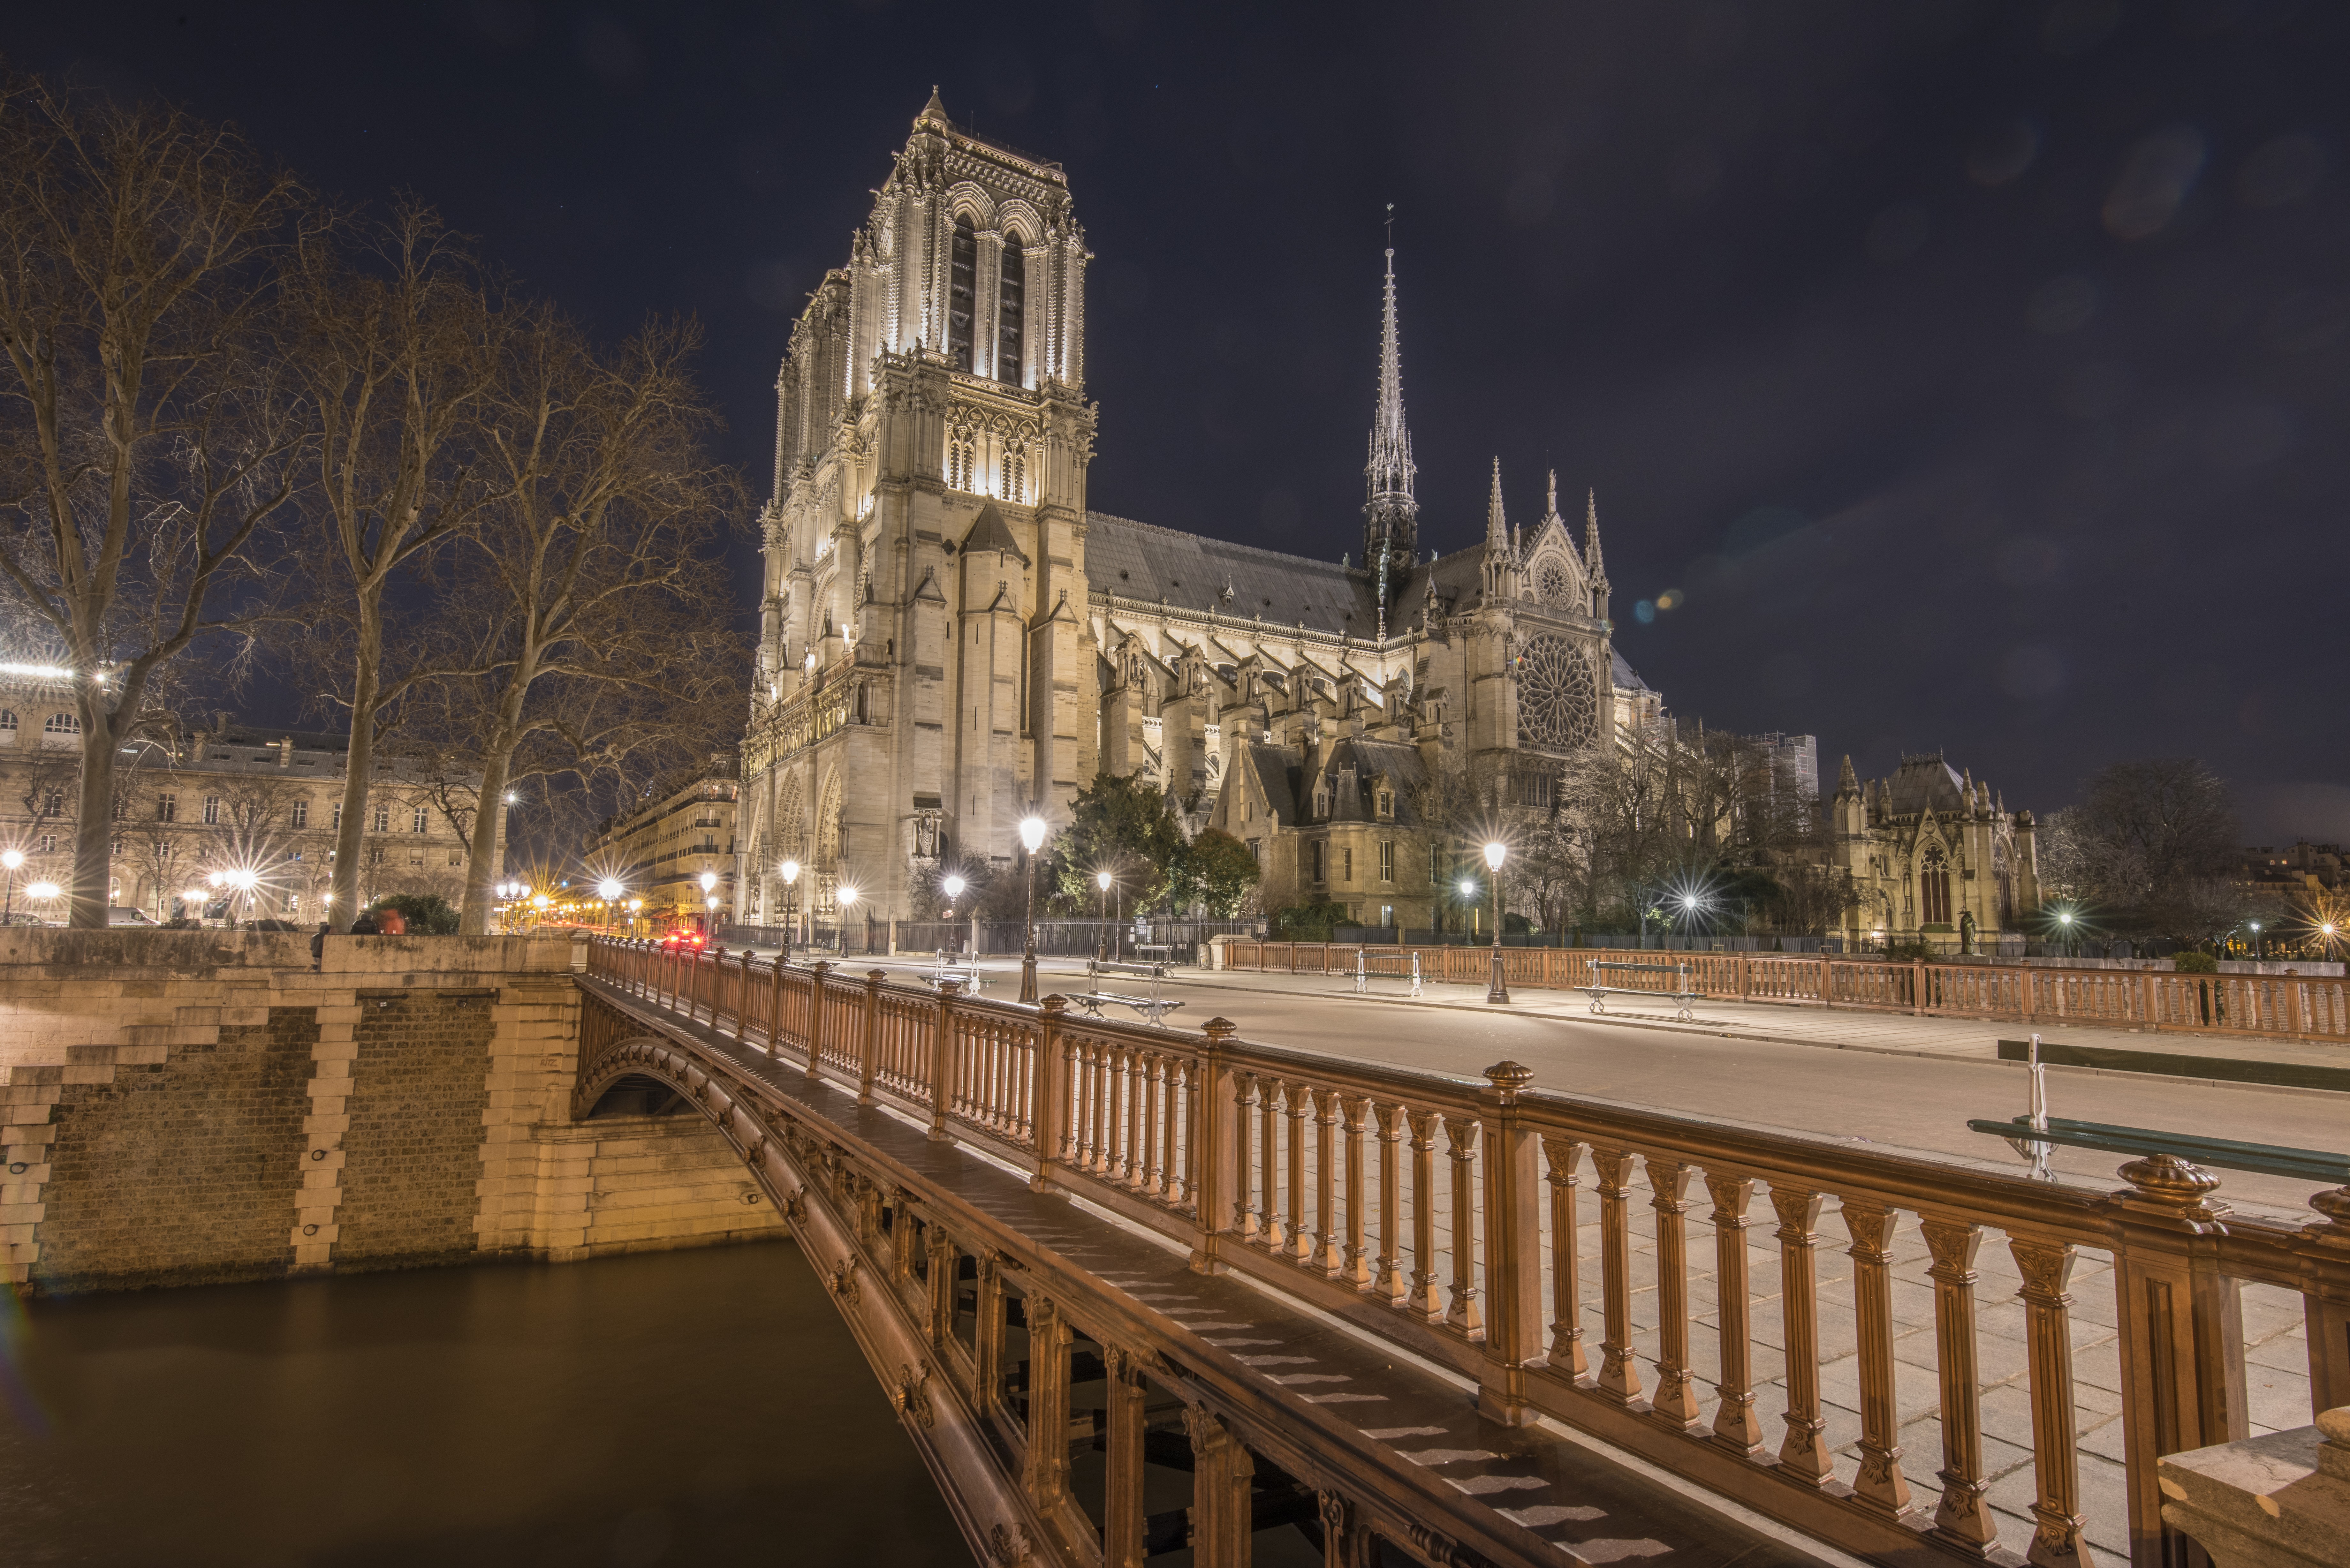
(2256, 941)
(1101, 947)
(847, 896)
(791, 873)
(610, 888)
(1498, 990)
(709, 901)
(1032, 834)
(14, 859)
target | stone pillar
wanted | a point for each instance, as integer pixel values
(2278, 1502)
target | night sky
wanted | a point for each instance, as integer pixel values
(1970, 376)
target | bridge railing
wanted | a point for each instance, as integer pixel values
(1901, 1387)
(2300, 1006)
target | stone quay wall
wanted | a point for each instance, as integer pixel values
(187, 1106)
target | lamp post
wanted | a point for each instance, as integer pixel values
(14, 859)
(1032, 834)
(2256, 941)
(634, 905)
(2064, 924)
(1495, 853)
(41, 892)
(847, 896)
(1101, 947)
(952, 887)
(710, 902)
(610, 890)
(791, 874)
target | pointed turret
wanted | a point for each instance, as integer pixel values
(1847, 782)
(1390, 512)
(1497, 530)
(1592, 563)
(934, 113)
(1501, 565)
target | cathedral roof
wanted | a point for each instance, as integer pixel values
(989, 531)
(1922, 783)
(1140, 561)
(1623, 675)
(1275, 768)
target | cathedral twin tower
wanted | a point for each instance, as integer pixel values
(952, 640)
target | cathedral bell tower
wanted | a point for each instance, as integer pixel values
(1391, 515)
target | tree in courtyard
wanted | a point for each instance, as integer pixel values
(1218, 871)
(1125, 826)
(153, 439)
(2157, 846)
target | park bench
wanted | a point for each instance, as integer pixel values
(945, 969)
(2035, 1133)
(1684, 997)
(1363, 973)
(1151, 1008)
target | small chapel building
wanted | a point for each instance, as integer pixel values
(1935, 856)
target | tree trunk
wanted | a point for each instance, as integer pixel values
(483, 861)
(90, 894)
(367, 684)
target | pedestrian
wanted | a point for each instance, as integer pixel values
(364, 925)
(391, 922)
(318, 947)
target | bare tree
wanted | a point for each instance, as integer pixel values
(589, 596)
(399, 349)
(153, 435)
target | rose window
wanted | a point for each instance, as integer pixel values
(1558, 703)
(1551, 582)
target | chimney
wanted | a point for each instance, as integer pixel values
(285, 750)
(220, 721)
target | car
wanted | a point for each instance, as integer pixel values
(684, 939)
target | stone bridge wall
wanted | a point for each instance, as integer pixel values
(186, 1107)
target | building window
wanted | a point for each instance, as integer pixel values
(962, 456)
(121, 808)
(1256, 851)
(53, 803)
(1387, 915)
(1934, 890)
(301, 816)
(61, 724)
(963, 271)
(1386, 803)
(48, 844)
(420, 821)
(383, 819)
(338, 823)
(1012, 299)
(1318, 849)
(1013, 474)
(167, 809)
(8, 727)
(1387, 860)
(211, 811)
(1346, 863)
(456, 857)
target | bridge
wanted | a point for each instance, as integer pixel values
(1138, 1290)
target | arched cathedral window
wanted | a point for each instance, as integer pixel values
(962, 456)
(963, 273)
(1012, 291)
(1014, 478)
(1934, 890)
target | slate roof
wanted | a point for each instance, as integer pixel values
(988, 532)
(1923, 783)
(1276, 769)
(1622, 673)
(1140, 561)
(1288, 788)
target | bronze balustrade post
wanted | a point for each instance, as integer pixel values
(1619, 1375)
(1048, 1405)
(1328, 1253)
(1298, 1101)
(1804, 1452)
(1675, 1401)
(1963, 1514)
(743, 999)
(1052, 1095)
(816, 971)
(1388, 1282)
(1270, 1234)
(1354, 1263)
(1222, 1517)
(1463, 1315)
(1171, 1184)
(1563, 1157)
(1247, 1222)
(1218, 1139)
(870, 1053)
(1514, 1327)
(2047, 1269)
(775, 1012)
(1422, 1303)
(2182, 1336)
(942, 1055)
(1734, 1423)
(1122, 1494)
(1149, 1082)
(1879, 1485)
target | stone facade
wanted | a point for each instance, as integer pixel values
(661, 851)
(1933, 854)
(951, 639)
(200, 801)
(197, 1105)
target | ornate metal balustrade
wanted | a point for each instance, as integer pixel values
(2314, 1007)
(1901, 1390)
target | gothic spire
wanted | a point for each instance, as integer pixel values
(1497, 529)
(1388, 474)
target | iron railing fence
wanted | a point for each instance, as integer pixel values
(1451, 1217)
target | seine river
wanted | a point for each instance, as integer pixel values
(668, 1408)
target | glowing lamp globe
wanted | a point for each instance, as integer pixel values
(954, 885)
(609, 889)
(1102, 877)
(791, 870)
(12, 859)
(1495, 853)
(1032, 833)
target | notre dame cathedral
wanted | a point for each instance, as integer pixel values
(952, 640)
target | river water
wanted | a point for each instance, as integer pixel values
(666, 1407)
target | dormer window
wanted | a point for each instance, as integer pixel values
(1386, 803)
(1321, 800)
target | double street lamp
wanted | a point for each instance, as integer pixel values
(710, 902)
(14, 859)
(1498, 989)
(1031, 836)
(610, 891)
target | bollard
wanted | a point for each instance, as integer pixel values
(1362, 979)
(1415, 974)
